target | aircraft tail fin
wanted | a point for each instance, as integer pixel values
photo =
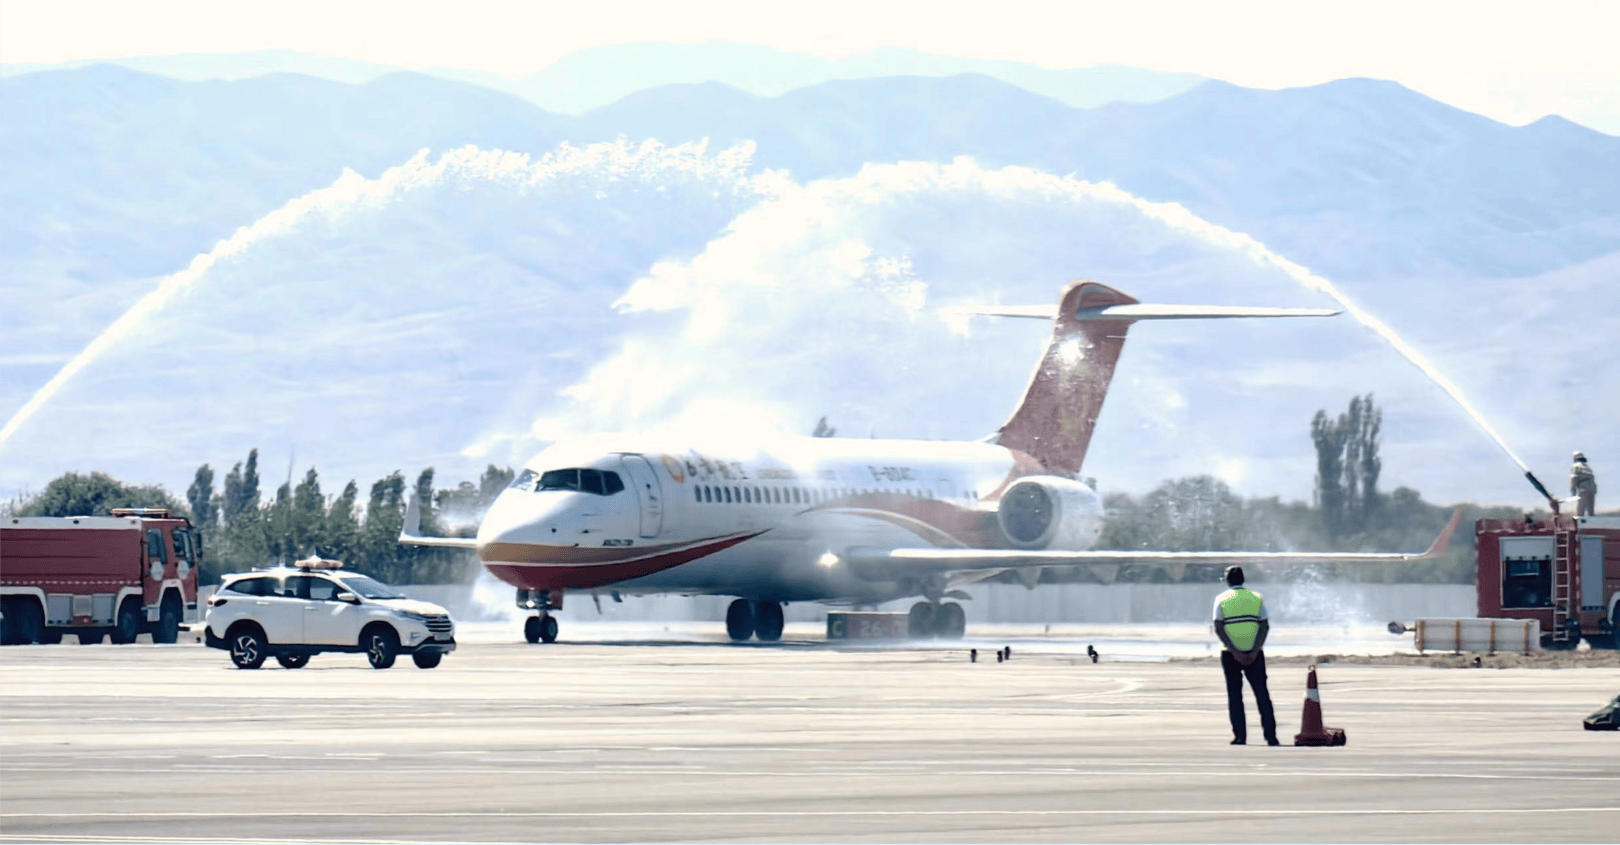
(1054, 422)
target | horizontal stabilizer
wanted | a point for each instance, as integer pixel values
(410, 533)
(1141, 311)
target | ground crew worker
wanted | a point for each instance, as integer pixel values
(1241, 624)
(1583, 485)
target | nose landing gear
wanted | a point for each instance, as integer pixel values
(543, 627)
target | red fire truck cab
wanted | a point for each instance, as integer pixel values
(1563, 571)
(126, 574)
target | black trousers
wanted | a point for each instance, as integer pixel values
(1256, 673)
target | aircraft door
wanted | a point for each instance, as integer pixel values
(648, 491)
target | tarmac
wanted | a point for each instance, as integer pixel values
(651, 735)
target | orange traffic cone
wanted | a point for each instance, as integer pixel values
(1311, 731)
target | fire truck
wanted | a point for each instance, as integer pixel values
(1563, 571)
(122, 575)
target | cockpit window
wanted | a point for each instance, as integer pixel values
(523, 481)
(598, 481)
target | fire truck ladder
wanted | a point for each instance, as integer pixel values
(1563, 573)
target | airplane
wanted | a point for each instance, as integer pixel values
(840, 521)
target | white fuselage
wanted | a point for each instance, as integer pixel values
(765, 522)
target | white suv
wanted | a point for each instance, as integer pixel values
(295, 612)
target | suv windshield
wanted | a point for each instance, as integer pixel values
(371, 589)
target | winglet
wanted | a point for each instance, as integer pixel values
(410, 533)
(1438, 547)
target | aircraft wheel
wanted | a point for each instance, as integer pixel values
(920, 621)
(768, 621)
(531, 629)
(548, 629)
(950, 621)
(740, 620)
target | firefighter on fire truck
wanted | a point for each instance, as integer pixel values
(1583, 486)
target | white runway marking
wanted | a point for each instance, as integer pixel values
(809, 814)
(117, 839)
(850, 771)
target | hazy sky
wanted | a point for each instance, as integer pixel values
(1514, 61)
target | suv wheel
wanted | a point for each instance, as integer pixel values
(426, 659)
(292, 661)
(248, 648)
(382, 646)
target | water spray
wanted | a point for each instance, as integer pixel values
(1179, 217)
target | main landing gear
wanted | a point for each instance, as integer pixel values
(541, 628)
(926, 620)
(762, 619)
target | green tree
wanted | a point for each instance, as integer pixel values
(242, 488)
(308, 515)
(342, 536)
(1347, 466)
(380, 552)
(1329, 440)
(494, 480)
(278, 526)
(201, 496)
(96, 494)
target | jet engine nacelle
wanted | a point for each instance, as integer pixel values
(1048, 512)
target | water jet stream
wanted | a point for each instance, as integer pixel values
(1178, 216)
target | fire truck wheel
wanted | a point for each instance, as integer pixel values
(248, 648)
(129, 623)
(30, 622)
(382, 646)
(168, 629)
(50, 637)
(426, 659)
(292, 661)
(91, 637)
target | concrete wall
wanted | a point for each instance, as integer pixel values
(1298, 603)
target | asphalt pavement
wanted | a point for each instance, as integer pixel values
(662, 739)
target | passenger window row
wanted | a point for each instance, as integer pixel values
(751, 495)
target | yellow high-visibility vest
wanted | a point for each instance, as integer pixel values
(1240, 608)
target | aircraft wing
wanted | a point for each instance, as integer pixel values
(900, 563)
(410, 533)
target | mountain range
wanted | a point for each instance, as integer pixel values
(1440, 219)
(592, 78)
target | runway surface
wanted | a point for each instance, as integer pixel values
(652, 737)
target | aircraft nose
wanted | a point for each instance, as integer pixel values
(512, 520)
